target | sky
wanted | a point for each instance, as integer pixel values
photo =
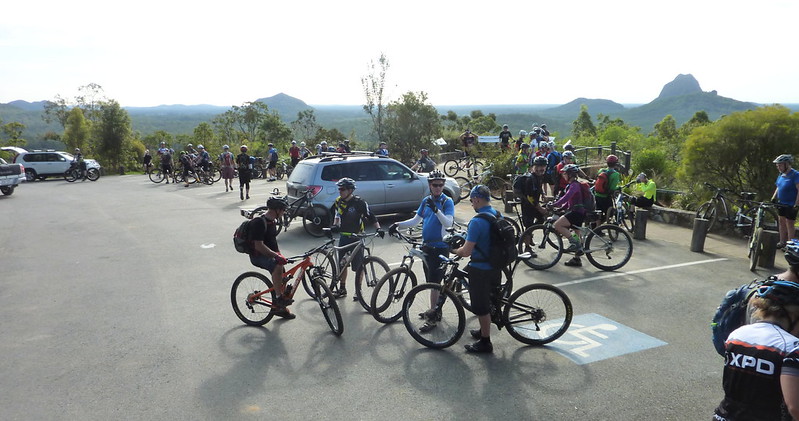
(149, 53)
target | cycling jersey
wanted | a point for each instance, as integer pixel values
(786, 187)
(352, 214)
(504, 136)
(572, 199)
(273, 155)
(425, 164)
(205, 157)
(264, 230)
(650, 189)
(433, 231)
(756, 356)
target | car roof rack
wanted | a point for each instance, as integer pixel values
(329, 156)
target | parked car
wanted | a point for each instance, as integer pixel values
(42, 164)
(386, 184)
(10, 176)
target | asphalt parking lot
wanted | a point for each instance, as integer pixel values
(114, 302)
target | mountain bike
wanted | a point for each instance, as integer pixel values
(621, 213)
(467, 163)
(719, 210)
(74, 173)
(253, 296)
(606, 246)
(332, 260)
(157, 175)
(388, 294)
(282, 168)
(755, 245)
(535, 314)
(314, 217)
(496, 185)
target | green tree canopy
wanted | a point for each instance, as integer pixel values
(77, 131)
(112, 134)
(411, 124)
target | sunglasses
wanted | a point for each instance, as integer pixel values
(437, 185)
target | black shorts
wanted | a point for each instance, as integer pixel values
(575, 218)
(433, 270)
(482, 283)
(244, 175)
(603, 203)
(272, 164)
(788, 213)
(642, 202)
(357, 260)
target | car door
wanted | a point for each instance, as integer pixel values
(404, 189)
(59, 163)
(368, 184)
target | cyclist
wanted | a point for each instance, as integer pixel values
(383, 149)
(272, 166)
(649, 192)
(424, 163)
(761, 370)
(294, 153)
(604, 198)
(786, 193)
(166, 160)
(484, 279)
(468, 139)
(567, 158)
(350, 213)
(226, 167)
(572, 200)
(81, 163)
(347, 148)
(304, 151)
(266, 253)
(436, 213)
(203, 159)
(523, 159)
(520, 141)
(147, 161)
(532, 193)
(188, 164)
(553, 159)
(505, 137)
(544, 131)
(243, 162)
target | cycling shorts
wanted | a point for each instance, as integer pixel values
(788, 213)
(482, 284)
(575, 218)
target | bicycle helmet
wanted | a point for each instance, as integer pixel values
(346, 141)
(435, 175)
(455, 240)
(782, 292)
(612, 159)
(640, 178)
(552, 145)
(277, 203)
(270, 145)
(423, 151)
(77, 150)
(540, 160)
(568, 154)
(525, 146)
(784, 158)
(244, 148)
(568, 146)
(504, 126)
(537, 130)
(346, 183)
(571, 169)
(225, 147)
(163, 143)
(302, 144)
(293, 142)
(324, 142)
(543, 126)
(522, 133)
(189, 145)
(480, 191)
(792, 252)
(200, 147)
(543, 145)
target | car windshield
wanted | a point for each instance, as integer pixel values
(302, 173)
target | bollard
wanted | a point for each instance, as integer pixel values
(700, 232)
(641, 216)
(508, 200)
(768, 249)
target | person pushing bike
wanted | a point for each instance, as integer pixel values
(266, 253)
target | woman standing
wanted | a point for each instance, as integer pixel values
(786, 193)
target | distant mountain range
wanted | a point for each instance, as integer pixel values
(680, 98)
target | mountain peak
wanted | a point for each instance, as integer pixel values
(681, 85)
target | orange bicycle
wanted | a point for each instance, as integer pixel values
(253, 295)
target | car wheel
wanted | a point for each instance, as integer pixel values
(30, 174)
(7, 190)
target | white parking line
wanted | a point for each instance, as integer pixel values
(614, 275)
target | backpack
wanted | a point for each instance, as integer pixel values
(731, 313)
(241, 237)
(227, 159)
(503, 251)
(520, 183)
(602, 184)
(589, 202)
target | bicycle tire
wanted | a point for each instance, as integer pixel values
(465, 185)
(216, 174)
(452, 167)
(370, 273)
(476, 168)
(610, 254)
(448, 330)
(260, 311)
(156, 176)
(755, 245)
(707, 211)
(279, 171)
(770, 220)
(545, 243)
(93, 174)
(497, 187)
(628, 219)
(329, 306)
(315, 219)
(70, 175)
(323, 265)
(460, 286)
(387, 297)
(537, 314)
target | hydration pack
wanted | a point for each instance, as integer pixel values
(503, 251)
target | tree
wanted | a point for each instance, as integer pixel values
(411, 124)
(305, 126)
(112, 135)
(668, 137)
(13, 132)
(373, 85)
(583, 126)
(737, 151)
(204, 135)
(56, 110)
(77, 131)
(154, 139)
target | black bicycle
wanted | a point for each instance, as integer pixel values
(314, 216)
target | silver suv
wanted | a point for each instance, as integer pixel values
(43, 164)
(386, 185)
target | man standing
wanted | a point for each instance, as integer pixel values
(425, 163)
(226, 167)
(436, 213)
(484, 280)
(505, 137)
(272, 166)
(787, 193)
(166, 161)
(606, 182)
(468, 139)
(532, 193)
(383, 149)
(266, 253)
(294, 153)
(243, 161)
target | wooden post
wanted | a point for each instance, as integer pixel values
(641, 216)
(699, 234)
(508, 200)
(768, 251)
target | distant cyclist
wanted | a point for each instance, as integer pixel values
(787, 194)
(81, 163)
(382, 149)
(244, 164)
(165, 155)
(505, 137)
(294, 153)
(272, 165)
(266, 253)
(226, 160)
(424, 163)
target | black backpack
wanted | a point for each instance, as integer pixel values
(503, 251)
(520, 183)
(731, 313)
(241, 237)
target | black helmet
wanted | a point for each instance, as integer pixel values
(277, 203)
(435, 175)
(540, 160)
(346, 183)
(782, 292)
(455, 240)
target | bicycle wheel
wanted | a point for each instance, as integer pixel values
(323, 266)
(386, 301)
(92, 174)
(612, 217)
(370, 273)
(605, 252)
(450, 319)
(537, 314)
(628, 218)
(452, 167)
(544, 244)
(316, 218)
(497, 186)
(465, 185)
(755, 245)
(279, 172)
(476, 167)
(256, 172)
(460, 286)
(707, 211)
(252, 311)
(328, 305)
(71, 175)
(157, 176)
(769, 222)
(216, 174)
